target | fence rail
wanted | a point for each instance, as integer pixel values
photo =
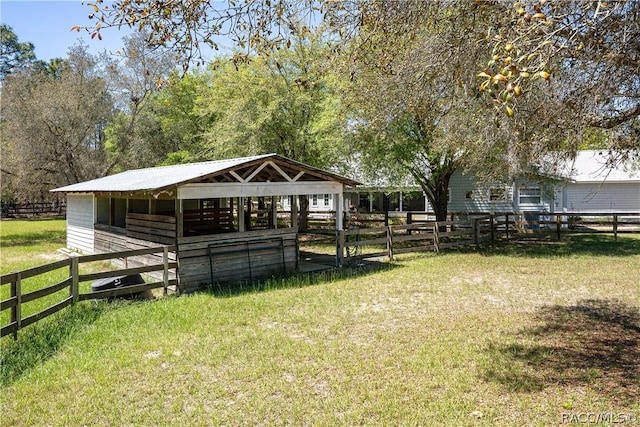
(32, 209)
(17, 297)
(472, 230)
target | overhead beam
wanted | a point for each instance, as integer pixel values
(257, 189)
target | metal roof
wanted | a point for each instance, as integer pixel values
(162, 177)
(592, 166)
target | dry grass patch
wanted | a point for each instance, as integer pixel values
(505, 336)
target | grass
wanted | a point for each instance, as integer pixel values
(30, 243)
(509, 335)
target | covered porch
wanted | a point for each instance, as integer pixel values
(222, 215)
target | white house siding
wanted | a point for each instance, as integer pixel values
(603, 197)
(466, 196)
(80, 219)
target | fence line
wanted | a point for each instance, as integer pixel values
(33, 209)
(480, 228)
(18, 297)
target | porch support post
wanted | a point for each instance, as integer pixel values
(241, 225)
(294, 211)
(339, 208)
(274, 211)
(179, 219)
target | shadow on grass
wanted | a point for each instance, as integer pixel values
(571, 245)
(39, 342)
(301, 279)
(595, 343)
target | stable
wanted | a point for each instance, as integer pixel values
(222, 216)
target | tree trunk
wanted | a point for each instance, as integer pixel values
(303, 224)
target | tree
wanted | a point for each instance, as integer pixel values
(412, 98)
(584, 54)
(286, 103)
(53, 126)
(138, 74)
(589, 49)
(14, 55)
(170, 129)
(185, 28)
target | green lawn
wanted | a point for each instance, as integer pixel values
(512, 335)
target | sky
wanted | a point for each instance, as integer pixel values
(47, 24)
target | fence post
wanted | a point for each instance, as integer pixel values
(558, 225)
(386, 218)
(506, 224)
(16, 312)
(492, 224)
(615, 227)
(339, 248)
(389, 243)
(165, 272)
(436, 237)
(74, 273)
(476, 232)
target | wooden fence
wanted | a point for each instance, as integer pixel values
(422, 233)
(32, 209)
(359, 243)
(17, 297)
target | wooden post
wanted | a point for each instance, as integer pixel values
(241, 217)
(436, 237)
(615, 227)
(476, 232)
(274, 212)
(493, 225)
(558, 225)
(339, 208)
(74, 291)
(165, 272)
(390, 243)
(386, 218)
(506, 224)
(179, 219)
(339, 248)
(294, 211)
(16, 311)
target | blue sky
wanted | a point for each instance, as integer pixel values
(47, 24)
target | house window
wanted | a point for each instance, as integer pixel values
(314, 200)
(530, 196)
(497, 194)
(327, 198)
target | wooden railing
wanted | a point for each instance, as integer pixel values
(426, 234)
(359, 243)
(33, 209)
(72, 282)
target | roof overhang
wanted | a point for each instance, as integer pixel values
(266, 175)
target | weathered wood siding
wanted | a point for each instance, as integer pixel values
(113, 239)
(80, 218)
(153, 228)
(236, 257)
(599, 197)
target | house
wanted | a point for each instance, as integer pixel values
(585, 184)
(221, 215)
(592, 186)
